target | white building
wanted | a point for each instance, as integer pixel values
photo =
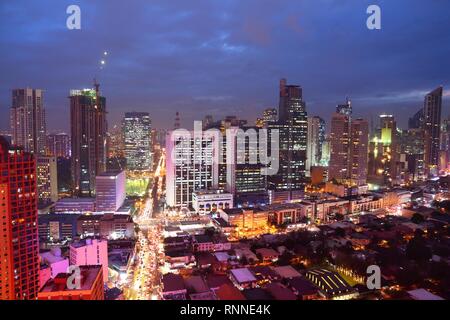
(110, 191)
(204, 202)
(191, 164)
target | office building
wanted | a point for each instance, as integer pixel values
(110, 193)
(47, 179)
(243, 169)
(292, 125)
(90, 252)
(88, 139)
(191, 165)
(75, 205)
(315, 141)
(56, 227)
(58, 145)
(137, 141)
(19, 248)
(349, 149)
(432, 128)
(28, 126)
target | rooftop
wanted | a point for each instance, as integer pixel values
(172, 282)
(243, 275)
(88, 276)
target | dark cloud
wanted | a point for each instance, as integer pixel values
(225, 57)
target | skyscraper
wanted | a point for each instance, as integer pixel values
(316, 138)
(432, 128)
(58, 145)
(28, 126)
(270, 115)
(88, 138)
(243, 176)
(47, 179)
(359, 144)
(349, 149)
(293, 128)
(190, 166)
(345, 108)
(137, 141)
(19, 248)
(339, 147)
(110, 191)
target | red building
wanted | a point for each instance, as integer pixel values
(91, 286)
(19, 268)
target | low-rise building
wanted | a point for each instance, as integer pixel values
(206, 201)
(242, 278)
(173, 287)
(75, 205)
(331, 285)
(91, 286)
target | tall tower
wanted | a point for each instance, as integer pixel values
(432, 127)
(339, 147)
(190, 166)
(359, 147)
(88, 138)
(28, 126)
(137, 139)
(316, 138)
(19, 248)
(349, 149)
(293, 129)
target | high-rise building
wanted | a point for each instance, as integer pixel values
(243, 176)
(412, 146)
(190, 166)
(90, 252)
(19, 247)
(359, 144)
(349, 149)
(270, 115)
(137, 141)
(316, 138)
(385, 167)
(88, 138)
(339, 147)
(432, 128)
(28, 126)
(345, 108)
(47, 179)
(110, 190)
(293, 129)
(116, 144)
(58, 145)
(416, 121)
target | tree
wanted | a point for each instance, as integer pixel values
(417, 249)
(417, 218)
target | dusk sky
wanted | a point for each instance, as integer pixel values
(225, 57)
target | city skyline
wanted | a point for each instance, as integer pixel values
(218, 57)
(262, 150)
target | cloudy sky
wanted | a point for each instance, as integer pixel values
(225, 57)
